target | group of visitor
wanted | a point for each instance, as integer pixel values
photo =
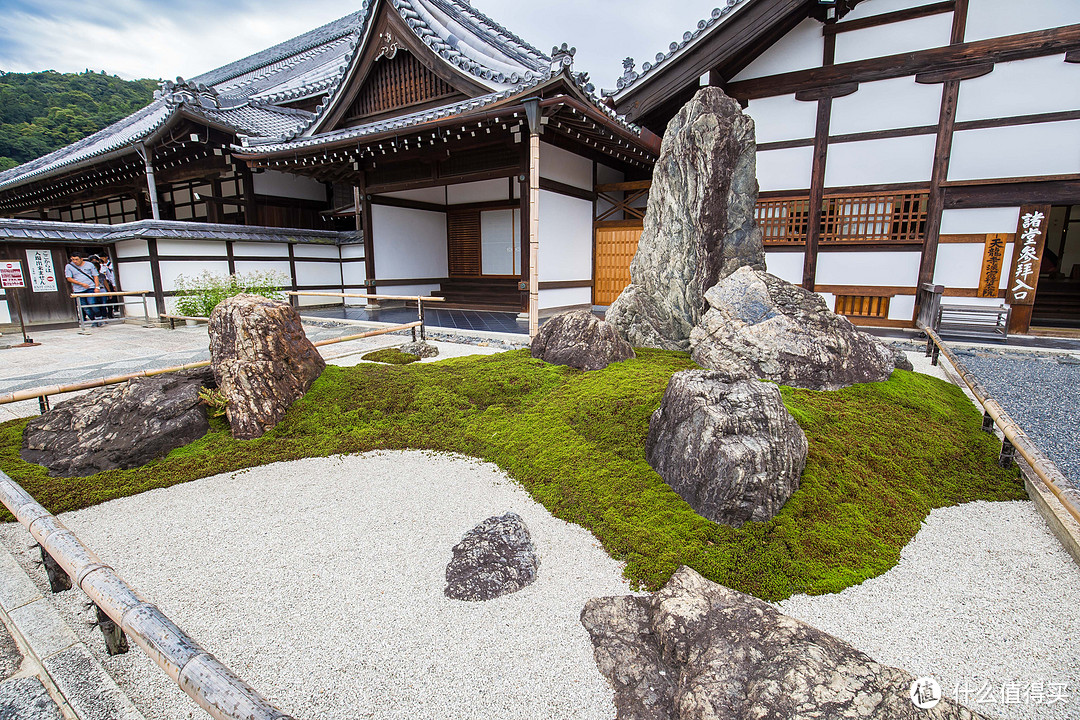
(89, 276)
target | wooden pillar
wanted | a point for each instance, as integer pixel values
(534, 234)
(526, 251)
(230, 252)
(364, 222)
(155, 274)
(251, 214)
(817, 173)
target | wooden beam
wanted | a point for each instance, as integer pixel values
(934, 77)
(1013, 47)
(890, 17)
(1011, 194)
(409, 204)
(569, 190)
(817, 174)
(831, 91)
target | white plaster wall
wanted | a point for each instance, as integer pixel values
(316, 251)
(902, 307)
(1024, 87)
(354, 275)
(880, 7)
(434, 195)
(131, 248)
(565, 238)
(885, 104)
(868, 268)
(605, 174)
(1018, 151)
(565, 167)
(784, 169)
(5, 314)
(782, 118)
(871, 162)
(483, 191)
(979, 221)
(192, 247)
(322, 273)
(800, 49)
(785, 265)
(894, 38)
(170, 269)
(408, 243)
(281, 184)
(264, 266)
(135, 276)
(411, 290)
(242, 249)
(995, 18)
(830, 300)
(959, 265)
(564, 297)
(352, 251)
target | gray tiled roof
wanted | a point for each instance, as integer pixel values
(631, 77)
(248, 93)
(49, 231)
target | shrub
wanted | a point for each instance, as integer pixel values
(198, 296)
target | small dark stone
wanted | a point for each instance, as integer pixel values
(902, 362)
(420, 349)
(696, 649)
(121, 426)
(495, 558)
(262, 360)
(728, 447)
(579, 339)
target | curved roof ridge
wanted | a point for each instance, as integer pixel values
(630, 77)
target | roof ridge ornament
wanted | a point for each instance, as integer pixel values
(562, 56)
(183, 91)
(388, 46)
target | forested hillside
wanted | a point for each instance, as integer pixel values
(43, 111)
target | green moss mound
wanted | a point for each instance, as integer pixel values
(391, 356)
(882, 455)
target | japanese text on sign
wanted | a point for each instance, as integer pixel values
(11, 275)
(1027, 262)
(42, 272)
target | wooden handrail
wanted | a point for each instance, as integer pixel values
(110, 294)
(215, 688)
(1043, 466)
(370, 296)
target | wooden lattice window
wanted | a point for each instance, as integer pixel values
(463, 242)
(871, 306)
(783, 219)
(896, 217)
(398, 82)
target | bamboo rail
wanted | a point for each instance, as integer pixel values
(215, 688)
(20, 395)
(1015, 437)
(423, 298)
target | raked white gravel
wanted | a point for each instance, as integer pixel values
(985, 599)
(320, 582)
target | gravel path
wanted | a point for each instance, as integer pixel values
(321, 583)
(1042, 393)
(984, 599)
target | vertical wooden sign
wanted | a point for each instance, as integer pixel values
(993, 255)
(1027, 254)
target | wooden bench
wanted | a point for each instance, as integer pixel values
(973, 322)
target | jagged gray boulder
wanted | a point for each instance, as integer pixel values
(495, 558)
(420, 348)
(697, 650)
(263, 361)
(759, 326)
(902, 361)
(579, 339)
(122, 426)
(728, 447)
(699, 225)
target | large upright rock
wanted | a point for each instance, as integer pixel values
(122, 426)
(729, 448)
(699, 226)
(759, 326)
(262, 360)
(579, 339)
(698, 650)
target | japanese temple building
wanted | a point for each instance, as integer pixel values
(419, 147)
(900, 142)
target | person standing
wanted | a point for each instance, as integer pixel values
(84, 279)
(104, 266)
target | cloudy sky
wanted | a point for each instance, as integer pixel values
(153, 38)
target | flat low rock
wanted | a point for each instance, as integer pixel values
(262, 359)
(728, 447)
(122, 426)
(495, 558)
(698, 650)
(759, 326)
(420, 349)
(579, 339)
